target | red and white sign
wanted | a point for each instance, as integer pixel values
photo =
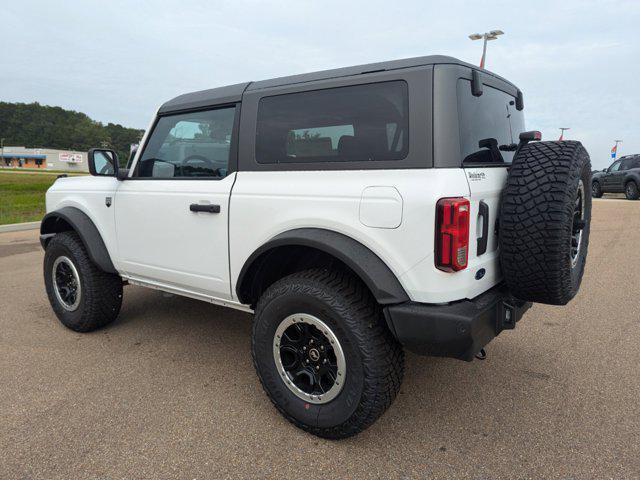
(70, 157)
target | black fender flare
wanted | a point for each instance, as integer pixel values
(632, 177)
(377, 276)
(60, 220)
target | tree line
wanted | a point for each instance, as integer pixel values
(39, 126)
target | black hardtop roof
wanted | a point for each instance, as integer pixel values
(203, 98)
(233, 93)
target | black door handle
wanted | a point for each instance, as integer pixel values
(482, 241)
(199, 207)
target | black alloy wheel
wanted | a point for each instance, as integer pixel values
(310, 358)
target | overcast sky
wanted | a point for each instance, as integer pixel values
(577, 62)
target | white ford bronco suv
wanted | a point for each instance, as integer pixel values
(354, 212)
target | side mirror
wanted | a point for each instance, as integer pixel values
(103, 162)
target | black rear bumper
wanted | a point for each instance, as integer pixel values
(459, 330)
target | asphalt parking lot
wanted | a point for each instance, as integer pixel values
(169, 390)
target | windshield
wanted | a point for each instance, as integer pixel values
(489, 124)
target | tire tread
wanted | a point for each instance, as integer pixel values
(536, 220)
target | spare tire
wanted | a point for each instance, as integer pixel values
(544, 221)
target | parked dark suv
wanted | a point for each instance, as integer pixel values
(623, 175)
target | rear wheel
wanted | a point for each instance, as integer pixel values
(323, 354)
(82, 296)
(545, 221)
(631, 190)
(596, 190)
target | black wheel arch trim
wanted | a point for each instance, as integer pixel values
(371, 269)
(54, 222)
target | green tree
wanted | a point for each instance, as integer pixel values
(39, 126)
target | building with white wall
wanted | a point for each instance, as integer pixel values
(43, 158)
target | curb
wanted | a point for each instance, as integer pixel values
(613, 200)
(18, 227)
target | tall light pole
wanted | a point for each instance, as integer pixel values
(492, 35)
(562, 129)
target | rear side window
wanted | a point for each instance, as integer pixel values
(358, 123)
(628, 164)
(489, 124)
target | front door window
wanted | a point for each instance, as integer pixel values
(188, 145)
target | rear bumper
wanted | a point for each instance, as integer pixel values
(458, 330)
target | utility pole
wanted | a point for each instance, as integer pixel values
(562, 129)
(492, 35)
(2, 148)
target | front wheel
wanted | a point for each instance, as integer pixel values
(82, 296)
(596, 190)
(631, 190)
(323, 354)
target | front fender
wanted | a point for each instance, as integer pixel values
(71, 218)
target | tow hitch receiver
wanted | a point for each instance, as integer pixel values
(507, 320)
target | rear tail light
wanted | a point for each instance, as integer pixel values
(452, 234)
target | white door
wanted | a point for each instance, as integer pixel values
(172, 214)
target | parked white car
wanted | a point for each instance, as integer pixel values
(353, 211)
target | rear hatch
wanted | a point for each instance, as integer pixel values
(489, 128)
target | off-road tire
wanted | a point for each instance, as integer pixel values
(631, 190)
(596, 190)
(374, 359)
(537, 221)
(101, 292)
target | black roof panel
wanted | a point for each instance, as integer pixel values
(233, 93)
(356, 70)
(204, 98)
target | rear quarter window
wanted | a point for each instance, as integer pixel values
(489, 124)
